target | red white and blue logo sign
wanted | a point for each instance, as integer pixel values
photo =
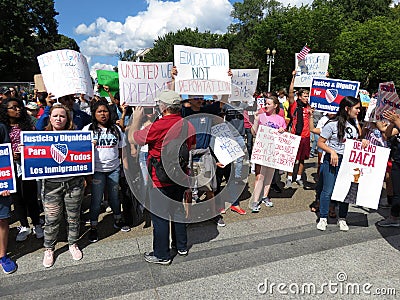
(59, 152)
(7, 175)
(326, 94)
(52, 154)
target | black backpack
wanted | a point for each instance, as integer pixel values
(173, 164)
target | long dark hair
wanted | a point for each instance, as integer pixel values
(111, 127)
(24, 121)
(343, 116)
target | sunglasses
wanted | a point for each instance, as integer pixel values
(15, 107)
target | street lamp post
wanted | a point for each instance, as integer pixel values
(270, 61)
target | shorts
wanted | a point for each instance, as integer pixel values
(5, 207)
(304, 149)
(203, 181)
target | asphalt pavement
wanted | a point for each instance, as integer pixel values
(275, 254)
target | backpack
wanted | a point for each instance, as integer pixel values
(173, 164)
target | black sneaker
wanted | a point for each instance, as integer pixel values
(119, 224)
(150, 258)
(180, 252)
(276, 188)
(93, 236)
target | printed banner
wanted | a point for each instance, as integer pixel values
(387, 100)
(7, 178)
(225, 146)
(360, 176)
(326, 93)
(275, 150)
(202, 71)
(65, 72)
(108, 78)
(244, 85)
(50, 154)
(314, 65)
(140, 83)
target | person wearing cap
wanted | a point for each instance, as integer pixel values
(79, 117)
(165, 198)
(5, 93)
(33, 109)
(199, 115)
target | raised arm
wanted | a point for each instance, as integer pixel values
(291, 88)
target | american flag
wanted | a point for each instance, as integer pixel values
(59, 152)
(302, 54)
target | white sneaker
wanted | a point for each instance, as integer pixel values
(323, 222)
(38, 231)
(48, 259)
(75, 252)
(23, 233)
(343, 225)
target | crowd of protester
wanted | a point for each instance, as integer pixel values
(44, 201)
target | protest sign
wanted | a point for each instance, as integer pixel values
(360, 176)
(364, 97)
(244, 85)
(7, 175)
(275, 150)
(108, 78)
(326, 93)
(370, 114)
(202, 71)
(65, 72)
(387, 100)
(224, 144)
(260, 103)
(314, 65)
(50, 154)
(39, 84)
(140, 83)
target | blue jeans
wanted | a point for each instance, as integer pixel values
(328, 173)
(249, 140)
(314, 147)
(161, 209)
(238, 163)
(100, 179)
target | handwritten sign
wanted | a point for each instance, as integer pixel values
(260, 103)
(49, 154)
(244, 85)
(108, 78)
(140, 83)
(326, 93)
(202, 71)
(65, 72)
(360, 176)
(370, 114)
(314, 65)
(39, 84)
(275, 150)
(388, 99)
(225, 146)
(7, 178)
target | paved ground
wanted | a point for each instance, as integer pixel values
(275, 254)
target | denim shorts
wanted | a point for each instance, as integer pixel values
(5, 207)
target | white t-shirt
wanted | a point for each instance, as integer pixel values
(106, 151)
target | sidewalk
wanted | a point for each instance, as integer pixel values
(247, 259)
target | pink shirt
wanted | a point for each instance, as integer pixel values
(274, 121)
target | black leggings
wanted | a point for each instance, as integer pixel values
(395, 210)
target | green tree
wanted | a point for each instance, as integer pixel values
(64, 42)
(28, 29)
(368, 52)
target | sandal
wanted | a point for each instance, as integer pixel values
(314, 207)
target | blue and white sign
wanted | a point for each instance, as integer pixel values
(326, 93)
(7, 175)
(49, 154)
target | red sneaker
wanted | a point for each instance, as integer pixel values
(238, 210)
